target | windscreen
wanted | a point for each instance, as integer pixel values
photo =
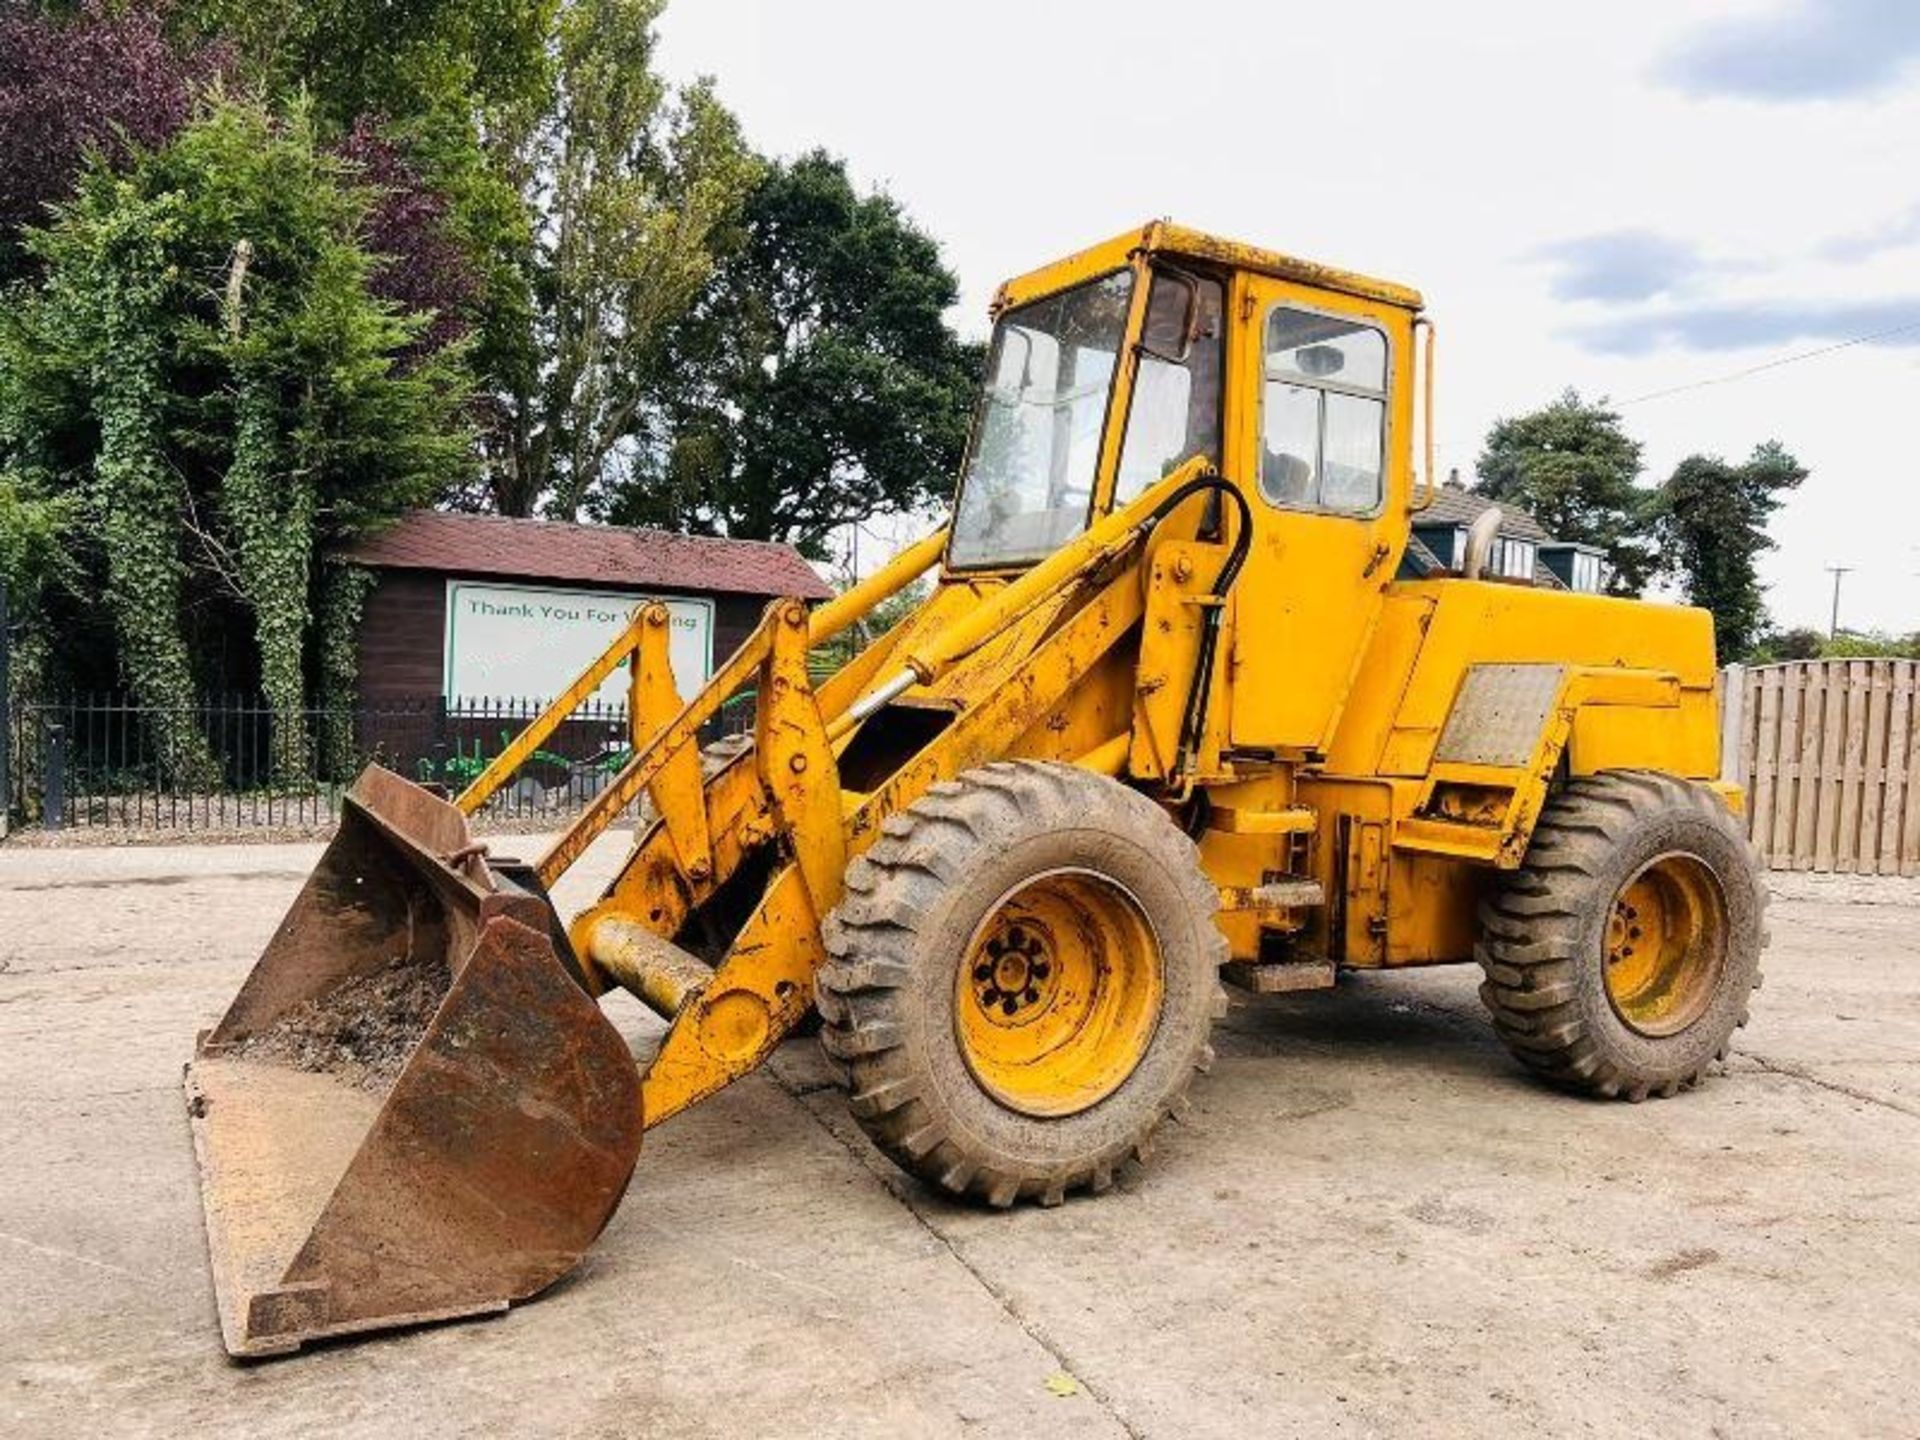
(1028, 483)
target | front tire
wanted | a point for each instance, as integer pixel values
(1021, 981)
(1620, 957)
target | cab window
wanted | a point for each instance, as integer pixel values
(1175, 411)
(1028, 483)
(1323, 413)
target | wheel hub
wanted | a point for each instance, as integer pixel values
(1059, 993)
(1016, 976)
(1666, 945)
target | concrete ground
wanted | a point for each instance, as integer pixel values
(1374, 1224)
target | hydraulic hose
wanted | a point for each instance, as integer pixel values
(1193, 720)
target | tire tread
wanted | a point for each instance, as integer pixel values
(1530, 929)
(872, 938)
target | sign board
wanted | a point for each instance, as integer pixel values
(507, 642)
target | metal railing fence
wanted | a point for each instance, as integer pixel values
(101, 760)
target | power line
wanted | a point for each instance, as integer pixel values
(1752, 370)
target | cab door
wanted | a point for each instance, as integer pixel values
(1321, 451)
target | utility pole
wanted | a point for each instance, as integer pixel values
(1837, 571)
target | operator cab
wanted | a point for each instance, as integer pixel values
(1111, 368)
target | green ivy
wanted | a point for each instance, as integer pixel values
(343, 597)
(271, 514)
(109, 304)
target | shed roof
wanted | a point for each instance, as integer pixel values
(614, 555)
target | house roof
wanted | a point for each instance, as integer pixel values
(615, 555)
(1454, 504)
(1457, 505)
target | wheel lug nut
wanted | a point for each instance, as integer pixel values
(1009, 1005)
(1031, 995)
(983, 973)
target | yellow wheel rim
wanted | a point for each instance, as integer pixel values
(1666, 945)
(1059, 993)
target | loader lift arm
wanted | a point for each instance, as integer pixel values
(785, 794)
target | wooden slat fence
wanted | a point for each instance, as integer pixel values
(1829, 751)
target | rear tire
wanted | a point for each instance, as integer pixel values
(1620, 957)
(1021, 981)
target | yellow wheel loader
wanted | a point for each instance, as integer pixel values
(1180, 713)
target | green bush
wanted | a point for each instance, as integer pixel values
(203, 366)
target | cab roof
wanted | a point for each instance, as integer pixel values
(1165, 237)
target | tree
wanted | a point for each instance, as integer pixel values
(34, 530)
(421, 265)
(1800, 643)
(205, 364)
(1711, 519)
(584, 194)
(106, 79)
(438, 100)
(398, 60)
(817, 381)
(1573, 468)
(1872, 645)
(630, 185)
(1805, 643)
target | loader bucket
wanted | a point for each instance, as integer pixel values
(411, 1111)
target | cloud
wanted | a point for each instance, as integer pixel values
(1743, 325)
(1806, 50)
(1620, 265)
(1894, 234)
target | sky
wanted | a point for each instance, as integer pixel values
(1648, 200)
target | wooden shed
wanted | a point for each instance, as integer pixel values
(476, 608)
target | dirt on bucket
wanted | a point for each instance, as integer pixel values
(362, 1030)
